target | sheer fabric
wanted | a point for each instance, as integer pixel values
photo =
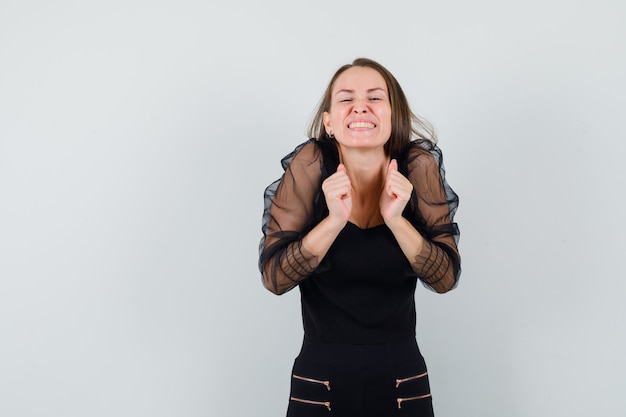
(295, 203)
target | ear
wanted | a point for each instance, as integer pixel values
(327, 124)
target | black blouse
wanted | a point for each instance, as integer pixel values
(362, 291)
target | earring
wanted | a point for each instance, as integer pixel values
(330, 135)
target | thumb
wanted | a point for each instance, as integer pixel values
(393, 165)
(341, 168)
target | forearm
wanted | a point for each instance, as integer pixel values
(287, 267)
(322, 236)
(430, 262)
(295, 262)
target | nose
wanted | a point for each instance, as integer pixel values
(360, 109)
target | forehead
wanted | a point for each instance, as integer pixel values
(359, 79)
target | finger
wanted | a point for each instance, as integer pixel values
(393, 166)
(399, 187)
(337, 185)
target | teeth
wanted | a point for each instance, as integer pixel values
(358, 125)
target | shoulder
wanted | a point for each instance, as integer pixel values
(313, 155)
(421, 154)
(305, 152)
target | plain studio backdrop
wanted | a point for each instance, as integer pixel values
(137, 137)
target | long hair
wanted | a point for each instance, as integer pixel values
(405, 125)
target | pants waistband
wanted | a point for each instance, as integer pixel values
(380, 355)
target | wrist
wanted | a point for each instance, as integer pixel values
(334, 224)
(395, 222)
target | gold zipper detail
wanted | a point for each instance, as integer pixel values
(401, 381)
(315, 381)
(324, 403)
(401, 400)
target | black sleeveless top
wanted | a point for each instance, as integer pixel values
(366, 294)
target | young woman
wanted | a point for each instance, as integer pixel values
(361, 214)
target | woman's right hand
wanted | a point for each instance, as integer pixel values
(338, 192)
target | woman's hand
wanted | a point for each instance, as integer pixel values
(337, 190)
(396, 193)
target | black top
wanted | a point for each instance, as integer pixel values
(362, 291)
(366, 293)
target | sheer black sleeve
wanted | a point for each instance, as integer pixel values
(290, 208)
(433, 204)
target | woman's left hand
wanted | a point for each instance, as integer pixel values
(396, 193)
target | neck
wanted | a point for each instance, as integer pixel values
(367, 171)
(364, 167)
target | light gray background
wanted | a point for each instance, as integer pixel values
(136, 138)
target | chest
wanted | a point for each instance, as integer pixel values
(367, 255)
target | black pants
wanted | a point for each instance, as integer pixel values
(340, 380)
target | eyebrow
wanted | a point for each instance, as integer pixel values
(371, 90)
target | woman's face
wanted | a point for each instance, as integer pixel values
(360, 110)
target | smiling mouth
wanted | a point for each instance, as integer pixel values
(361, 125)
